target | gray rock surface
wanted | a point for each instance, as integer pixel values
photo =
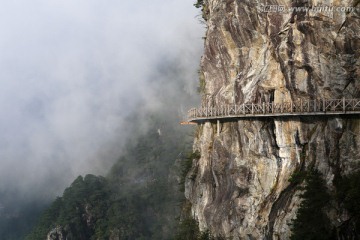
(239, 187)
(57, 233)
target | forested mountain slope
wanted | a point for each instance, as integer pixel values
(140, 197)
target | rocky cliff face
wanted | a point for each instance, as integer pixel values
(239, 187)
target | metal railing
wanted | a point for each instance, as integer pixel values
(301, 107)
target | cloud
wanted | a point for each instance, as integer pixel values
(70, 74)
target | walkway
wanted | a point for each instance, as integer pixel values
(271, 109)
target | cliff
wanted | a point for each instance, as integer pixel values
(239, 188)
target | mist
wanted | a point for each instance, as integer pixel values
(72, 72)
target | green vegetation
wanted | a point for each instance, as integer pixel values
(138, 199)
(351, 196)
(311, 221)
(297, 177)
(188, 228)
(84, 202)
(185, 167)
(348, 193)
(205, 11)
(199, 4)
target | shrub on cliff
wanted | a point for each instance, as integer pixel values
(199, 3)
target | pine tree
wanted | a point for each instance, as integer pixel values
(311, 222)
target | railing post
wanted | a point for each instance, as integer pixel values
(235, 108)
(353, 104)
(252, 108)
(291, 106)
(344, 105)
(308, 105)
(243, 108)
(324, 105)
(263, 104)
(272, 107)
(315, 110)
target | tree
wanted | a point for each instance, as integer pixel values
(311, 222)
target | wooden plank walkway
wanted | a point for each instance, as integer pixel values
(271, 109)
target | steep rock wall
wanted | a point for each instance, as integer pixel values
(239, 187)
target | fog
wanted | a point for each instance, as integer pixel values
(71, 72)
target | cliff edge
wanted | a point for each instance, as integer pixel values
(260, 51)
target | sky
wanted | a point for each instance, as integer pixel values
(71, 71)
